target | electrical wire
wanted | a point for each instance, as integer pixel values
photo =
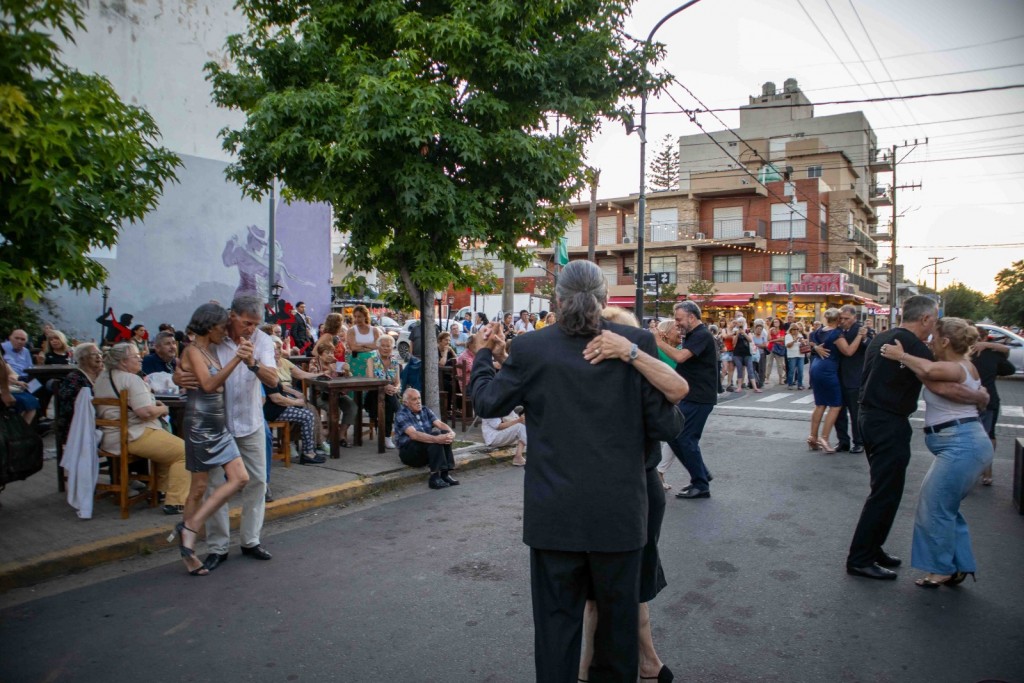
(917, 96)
(920, 78)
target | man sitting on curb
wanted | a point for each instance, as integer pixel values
(507, 431)
(424, 440)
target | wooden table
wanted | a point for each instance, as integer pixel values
(334, 387)
(301, 361)
(176, 411)
(43, 373)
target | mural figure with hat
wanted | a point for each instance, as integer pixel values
(251, 258)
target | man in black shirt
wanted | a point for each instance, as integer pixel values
(697, 363)
(852, 345)
(888, 396)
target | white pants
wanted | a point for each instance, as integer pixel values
(509, 437)
(218, 531)
(668, 456)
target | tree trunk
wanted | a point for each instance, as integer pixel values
(509, 290)
(431, 395)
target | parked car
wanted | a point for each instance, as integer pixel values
(1002, 335)
(389, 325)
(404, 346)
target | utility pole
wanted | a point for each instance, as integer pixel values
(892, 252)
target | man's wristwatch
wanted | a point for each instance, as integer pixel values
(634, 352)
(255, 367)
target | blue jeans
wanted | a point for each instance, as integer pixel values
(942, 544)
(686, 446)
(795, 370)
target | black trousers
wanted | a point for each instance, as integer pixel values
(390, 408)
(438, 456)
(887, 444)
(560, 582)
(848, 426)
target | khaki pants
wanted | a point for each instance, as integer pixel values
(168, 452)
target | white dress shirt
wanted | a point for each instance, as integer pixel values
(243, 395)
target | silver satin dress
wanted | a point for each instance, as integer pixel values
(208, 443)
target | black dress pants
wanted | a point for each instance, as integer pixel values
(887, 444)
(560, 582)
(847, 427)
(417, 454)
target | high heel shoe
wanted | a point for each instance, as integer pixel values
(826, 446)
(186, 552)
(664, 676)
(958, 578)
(812, 443)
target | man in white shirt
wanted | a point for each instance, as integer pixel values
(17, 354)
(243, 400)
(523, 325)
(507, 431)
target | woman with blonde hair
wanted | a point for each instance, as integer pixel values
(361, 340)
(953, 433)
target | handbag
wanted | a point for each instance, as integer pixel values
(21, 449)
(805, 348)
(778, 349)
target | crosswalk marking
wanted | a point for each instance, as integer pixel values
(809, 398)
(1012, 411)
(766, 409)
(772, 397)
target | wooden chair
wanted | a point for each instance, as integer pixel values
(119, 462)
(281, 438)
(461, 395)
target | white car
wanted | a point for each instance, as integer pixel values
(404, 346)
(1001, 335)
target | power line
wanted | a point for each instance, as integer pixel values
(962, 246)
(940, 50)
(920, 78)
(971, 91)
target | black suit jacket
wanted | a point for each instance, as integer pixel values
(585, 486)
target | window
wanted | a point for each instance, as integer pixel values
(788, 221)
(664, 225)
(629, 227)
(823, 221)
(814, 171)
(781, 265)
(609, 265)
(607, 230)
(728, 269)
(664, 264)
(627, 265)
(777, 148)
(728, 223)
(574, 233)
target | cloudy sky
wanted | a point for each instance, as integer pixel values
(972, 169)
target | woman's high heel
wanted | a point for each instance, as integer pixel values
(825, 446)
(186, 552)
(813, 443)
(664, 676)
(959, 578)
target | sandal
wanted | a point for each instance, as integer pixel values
(959, 578)
(925, 582)
(986, 481)
(186, 552)
(812, 443)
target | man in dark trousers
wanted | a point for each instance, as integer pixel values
(888, 396)
(585, 492)
(300, 328)
(852, 345)
(697, 363)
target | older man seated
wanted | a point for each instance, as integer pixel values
(505, 431)
(424, 440)
(165, 355)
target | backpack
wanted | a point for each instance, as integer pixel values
(21, 449)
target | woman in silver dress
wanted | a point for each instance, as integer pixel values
(208, 443)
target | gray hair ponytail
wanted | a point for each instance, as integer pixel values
(582, 291)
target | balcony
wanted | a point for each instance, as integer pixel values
(719, 183)
(880, 161)
(879, 196)
(863, 241)
(868, 286)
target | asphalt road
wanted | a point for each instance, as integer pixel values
(433, 586)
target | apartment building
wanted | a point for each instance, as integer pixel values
(781, 216)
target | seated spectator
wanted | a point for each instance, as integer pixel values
(383, 364)
(523, 325)
(467, 321)
(464, 363)
(288, 373)
(507, 431)
(424, 440)
(146, 435)
(16, 396)
(325, 365)
(89, 365)
(140, 337)
(164, 357)
(459, 337)
(508, 328)
(542, 320)
(446, 355)
(282, 407)
(54, 350)
(481, 321)
(17, 354)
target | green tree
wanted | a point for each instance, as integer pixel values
(76, 162)
(702, 292)
(426, 125)
(664, 171)
(1009, 296)
(961, 301)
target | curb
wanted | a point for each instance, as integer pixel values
(79, 558)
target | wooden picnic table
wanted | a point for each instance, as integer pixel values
(340, 385)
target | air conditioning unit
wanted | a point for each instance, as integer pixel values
(749, 233)
(627, 239)
(699, 236)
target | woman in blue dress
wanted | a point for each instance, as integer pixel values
(825, 381)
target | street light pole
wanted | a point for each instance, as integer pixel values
(642, 201)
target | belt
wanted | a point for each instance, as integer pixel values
(935, 429)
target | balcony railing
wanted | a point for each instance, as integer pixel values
(732, 229)
(862, 283)
(862, 239)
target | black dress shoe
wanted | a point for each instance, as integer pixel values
(257, 552)
(857, 448)
(173, 509)
(842, 448)
(872, 571)
(693, 493)
(213, 560)
(436, 482)
(884, 559)
(452, 481)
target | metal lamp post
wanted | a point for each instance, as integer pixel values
(642, 201)
(106, 294)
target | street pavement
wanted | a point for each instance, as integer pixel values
(420, 585)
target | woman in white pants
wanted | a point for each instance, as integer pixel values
(507, 431)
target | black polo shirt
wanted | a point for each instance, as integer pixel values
(701, 370)
(852, 367)
(885, 384)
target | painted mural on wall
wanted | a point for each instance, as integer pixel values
(206, 242)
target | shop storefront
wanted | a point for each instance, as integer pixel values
(811, 297)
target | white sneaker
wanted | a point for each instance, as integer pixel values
(389, 444)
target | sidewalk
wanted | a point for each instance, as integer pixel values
(43, 537)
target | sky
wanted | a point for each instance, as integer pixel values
(971, 170)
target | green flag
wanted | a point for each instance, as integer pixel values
(562, 252)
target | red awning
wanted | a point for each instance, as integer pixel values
(629, 301)
(728, 300)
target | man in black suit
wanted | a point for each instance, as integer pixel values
(852, 345)
(585, 499)
(300, 328)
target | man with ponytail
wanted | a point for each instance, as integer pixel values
(585, 491)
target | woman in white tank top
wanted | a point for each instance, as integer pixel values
(953, 433)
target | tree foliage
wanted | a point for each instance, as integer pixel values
(664, 171)
(961, 301)
(702, 292)
(75, 161)
(1009, 296)
(426, 125)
